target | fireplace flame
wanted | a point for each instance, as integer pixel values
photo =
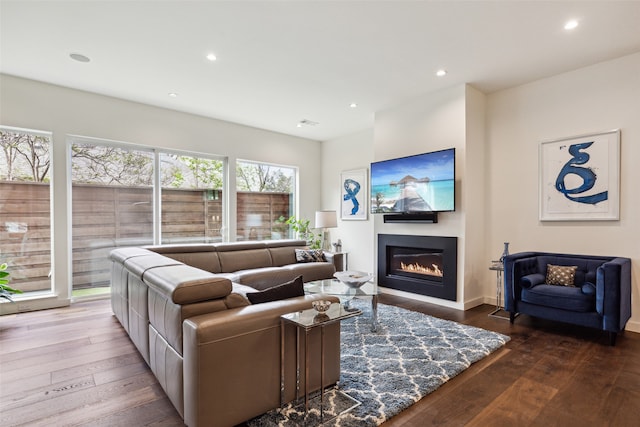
(434, 270)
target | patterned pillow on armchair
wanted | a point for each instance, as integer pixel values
(561, 275)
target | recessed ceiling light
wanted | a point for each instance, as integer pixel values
(173, 94)
(79, 57)
(570, 25)
(353, 105)
(441, 73)
(211, 57)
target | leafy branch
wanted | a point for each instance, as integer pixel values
(5, 290)
(301, 226)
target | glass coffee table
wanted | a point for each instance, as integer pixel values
(346, 294)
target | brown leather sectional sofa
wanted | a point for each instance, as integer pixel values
(217, 356)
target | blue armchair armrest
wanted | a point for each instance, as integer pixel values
(526, 265)
(613, 293)
(531, 280)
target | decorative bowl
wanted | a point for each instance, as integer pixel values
(353, 279)
(321, 305)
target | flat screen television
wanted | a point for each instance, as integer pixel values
(414, 184)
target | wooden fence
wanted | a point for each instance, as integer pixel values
(106, 217)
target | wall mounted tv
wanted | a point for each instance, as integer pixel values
(414, 184)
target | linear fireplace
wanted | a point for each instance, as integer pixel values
(425, 265)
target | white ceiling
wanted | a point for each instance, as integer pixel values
(280, 62)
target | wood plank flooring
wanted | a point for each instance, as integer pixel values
(76, 366)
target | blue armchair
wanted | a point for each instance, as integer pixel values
(596, 293)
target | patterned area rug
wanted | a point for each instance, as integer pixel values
(410, 356)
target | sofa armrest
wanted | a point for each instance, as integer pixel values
(218, 326)
(613, 293)
(515, 267)
(232, 361)
(184, 284)
(531, 280)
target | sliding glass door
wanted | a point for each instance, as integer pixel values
(25, 208)
(115, 199)
(112, 206)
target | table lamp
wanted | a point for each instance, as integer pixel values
(325, 220)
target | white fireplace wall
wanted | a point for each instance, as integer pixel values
(450, 118)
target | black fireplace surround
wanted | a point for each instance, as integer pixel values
(425, 265)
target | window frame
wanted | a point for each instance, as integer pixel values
(294, 196)
(22, 300)
(156, 187)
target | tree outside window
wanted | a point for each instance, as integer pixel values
(264, 194)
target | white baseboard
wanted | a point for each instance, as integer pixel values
(632, 326)
(466, 305)
(424, 298)
(32, 303)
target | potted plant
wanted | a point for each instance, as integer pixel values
(5, 290)
(301, 226)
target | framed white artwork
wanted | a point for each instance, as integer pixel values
(353, 190)
(580, 178)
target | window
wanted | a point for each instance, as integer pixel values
(265, 194)
(112, 206)
(191, 198)
(25, 208)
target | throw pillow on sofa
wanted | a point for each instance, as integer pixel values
(588, 288)
(310, 255)
(291, 289)
(561, 275)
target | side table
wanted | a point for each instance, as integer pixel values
(340, 260)
(305, 321)
(498, 267)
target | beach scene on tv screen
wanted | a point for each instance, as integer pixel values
(420, 183)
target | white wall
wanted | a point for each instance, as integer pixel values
(40, 106)
(338, 155)
(474, 206)
(427, 123)
(436, 121)
(601, 97)
(497, 138)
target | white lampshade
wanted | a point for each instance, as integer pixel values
(326, 219)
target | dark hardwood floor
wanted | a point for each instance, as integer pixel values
(76, 366)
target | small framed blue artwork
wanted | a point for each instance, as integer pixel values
(580, 178)
(353, 194)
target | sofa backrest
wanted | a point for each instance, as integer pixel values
(284, 253)
(242, 256)
(202, 256)
(230, 257)
(587, 267)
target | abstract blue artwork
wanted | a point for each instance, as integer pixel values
(580, 178)
(579, 156)
(353, 203)
(352, 188)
